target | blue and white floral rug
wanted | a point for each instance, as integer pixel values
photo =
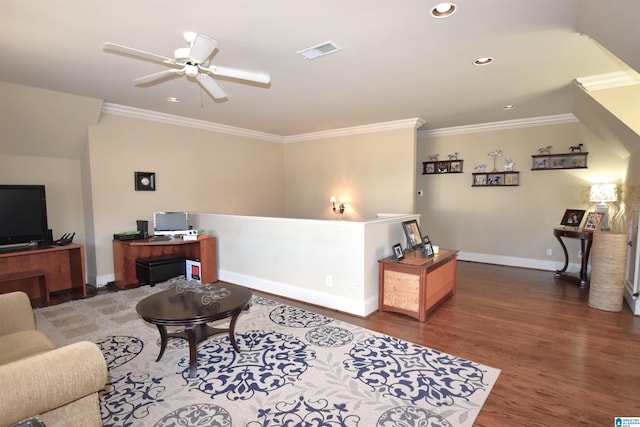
(295, 368)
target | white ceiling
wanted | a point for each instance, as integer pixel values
(396, 62)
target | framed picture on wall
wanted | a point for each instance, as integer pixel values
(572, 217)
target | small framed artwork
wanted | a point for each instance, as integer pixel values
(428, 168)
(427, 247)
(456, 167)
(398, 253)
(145, 181)
(443, 167)
(572, 217)
(593, 221)
(413, 234)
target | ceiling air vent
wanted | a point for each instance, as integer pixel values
(319, 50)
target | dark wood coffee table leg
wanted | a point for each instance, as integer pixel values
(193, 351)
(163, 340)
(232, 329)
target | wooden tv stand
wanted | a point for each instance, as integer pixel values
(126, 252)
(40, 271)
(415, 285)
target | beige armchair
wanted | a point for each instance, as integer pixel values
(59, 385)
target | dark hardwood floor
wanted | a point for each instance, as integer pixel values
(563, 363)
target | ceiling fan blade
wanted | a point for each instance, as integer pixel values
(240, 74)
(157, 76)
(137, 52)
(211, 86)
(202, 48)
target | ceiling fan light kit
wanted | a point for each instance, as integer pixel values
(193, 62)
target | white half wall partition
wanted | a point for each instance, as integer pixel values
(333, 264)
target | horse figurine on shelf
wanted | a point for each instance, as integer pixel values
(577, 148)
(433, 158)
(453, 156)
(508, 164)
(480, 168)
(545, 150)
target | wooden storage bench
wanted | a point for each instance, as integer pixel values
(415, 285)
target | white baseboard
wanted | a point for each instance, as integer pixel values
(536, 264)
(347, 305)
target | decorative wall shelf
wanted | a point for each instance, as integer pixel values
(559, 161)
(442, 166)
(496, 179)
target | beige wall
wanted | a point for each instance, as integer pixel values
(372, 171)
(196, 171)
(63, 181)
(509, 222)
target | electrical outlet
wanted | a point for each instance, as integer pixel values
(549, 252)
(329, 280)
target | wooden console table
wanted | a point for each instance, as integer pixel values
(126, 252)
(586, 239)
(415, 285)
(40, 271)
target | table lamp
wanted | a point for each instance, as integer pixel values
(603, 194)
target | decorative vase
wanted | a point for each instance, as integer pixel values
(608, 261)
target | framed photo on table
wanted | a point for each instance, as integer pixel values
(413, 234)
(398, 253)
(572, 217)
(594, 219)
(427, 247)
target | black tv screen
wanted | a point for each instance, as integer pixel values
(23, 214)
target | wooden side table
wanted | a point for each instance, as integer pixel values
(586, 239)
(415, 285)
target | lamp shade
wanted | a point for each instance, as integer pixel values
(601, 193)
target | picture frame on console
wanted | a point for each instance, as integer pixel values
(572, 217)
(398, 253)
(594, 219)
(413, 234)
(427, 247)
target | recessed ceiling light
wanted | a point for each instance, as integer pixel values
(173, 99)
(443, 10)
(483, 61)
(508, 107)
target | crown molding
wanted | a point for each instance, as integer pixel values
(607, 81)
(154, 116)
(355, 130)
(414, 123)
(503, 125)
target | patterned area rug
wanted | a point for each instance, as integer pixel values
(295, 368)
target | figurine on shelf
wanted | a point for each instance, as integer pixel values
(453, 156)
(480, 168)
(545, 150)
(508, 164)
(495, 154)
(433, 158)
(577, 148)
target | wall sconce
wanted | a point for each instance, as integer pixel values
(339, 208)
(602, 194)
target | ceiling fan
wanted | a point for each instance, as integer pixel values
(193, 62)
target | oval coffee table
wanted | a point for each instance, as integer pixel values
(191, 306)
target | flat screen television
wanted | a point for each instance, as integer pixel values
(170, 223)
(23, 214)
